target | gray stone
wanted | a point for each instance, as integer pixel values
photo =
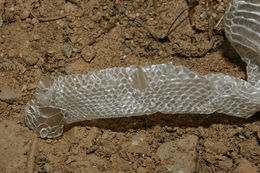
(128, 50)
(30, 60)
(121, 10)
(179, 155)
(68, 70)
(138, 144)
(67, 49)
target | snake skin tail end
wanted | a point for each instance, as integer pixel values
(45, 121)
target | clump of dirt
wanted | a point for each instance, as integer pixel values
(39, 38)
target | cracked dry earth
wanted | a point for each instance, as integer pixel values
(62, 37)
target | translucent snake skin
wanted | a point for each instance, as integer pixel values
(165, 88)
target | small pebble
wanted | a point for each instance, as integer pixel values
(97, 17)
(25, 14)
(34, 21)
(66, 49)
(31, 86)
(11, 53)
(128, 8)
(28, 20)
(121, 10)
(50, 52)
(247, 134)
(35, 37)
(127, 50)
(132, 16)
(203, 16)
(234, 155)
(30, 60)
(148, 48)
(68, 70)
(42, 158)
(128, 36)
(61, 63)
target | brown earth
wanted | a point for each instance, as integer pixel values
(70, 36)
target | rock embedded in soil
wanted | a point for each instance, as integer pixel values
(25, 14)
(12, 53)
(128, 50)
(34, 21)
(176, 155)
(138, 144)
(88, 54)
(30, 60)
(216, 146)
(68, 70)
(31, 86)
(97, 17)
(9, 94)
(234, 155)
(67, 49)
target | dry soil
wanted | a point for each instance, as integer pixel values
(62, 37)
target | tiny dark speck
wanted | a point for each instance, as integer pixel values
(149, 48)
(42, 158)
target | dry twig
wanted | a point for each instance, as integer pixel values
(192, 4)
(155, 5)
(170, 30)
(210, 20)
(93, 40)
(49, 18)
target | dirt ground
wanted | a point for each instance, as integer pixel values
(71, 36)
